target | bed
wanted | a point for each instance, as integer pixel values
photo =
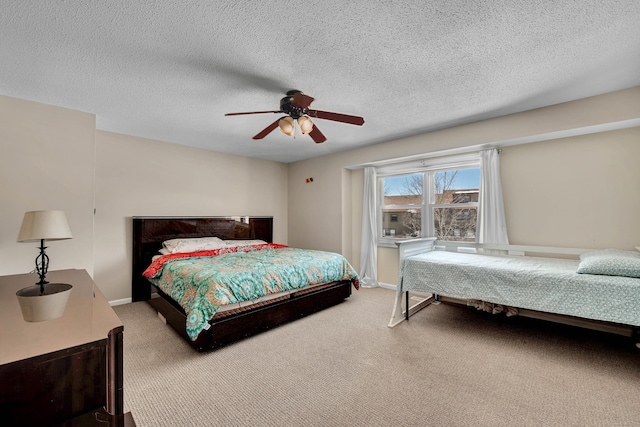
(597, 289)
(209, 315)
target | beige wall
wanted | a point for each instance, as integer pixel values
(575, 192)
(315, 208)
(46, 162)
(582, 116)
(50, 157)
(141, 177)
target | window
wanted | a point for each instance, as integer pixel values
(454, 205)
(402, 205)
(439, 200)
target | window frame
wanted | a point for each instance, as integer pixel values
(428, 168)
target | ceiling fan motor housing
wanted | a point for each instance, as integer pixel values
(287, 106)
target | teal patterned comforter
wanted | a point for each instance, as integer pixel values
(202, 284)
(542, 284)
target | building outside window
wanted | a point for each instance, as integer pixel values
(440, 201)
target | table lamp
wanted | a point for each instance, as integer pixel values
(44, 300)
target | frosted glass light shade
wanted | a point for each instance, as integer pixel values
(48, 225)
(306, 125)
(286, 125)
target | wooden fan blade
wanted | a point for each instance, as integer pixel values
(337, 117)
(251, 112)
(301, 100)
(266, 131)
(316, 135)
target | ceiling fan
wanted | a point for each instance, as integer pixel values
(296, 106)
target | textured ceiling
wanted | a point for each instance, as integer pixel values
(169, 70)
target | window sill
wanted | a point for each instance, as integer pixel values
(387, 243)
(392, 243)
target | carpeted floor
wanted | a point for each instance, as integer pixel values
(447, 366)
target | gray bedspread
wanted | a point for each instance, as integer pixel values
(543, 284)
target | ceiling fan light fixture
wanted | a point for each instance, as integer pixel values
(295, 108)
(306, 125)
(286, 125)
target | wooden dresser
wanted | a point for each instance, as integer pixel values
(66, 371)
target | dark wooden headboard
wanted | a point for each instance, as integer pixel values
(149, 232)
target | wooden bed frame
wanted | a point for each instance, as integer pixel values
(232, 325)
(408, 248)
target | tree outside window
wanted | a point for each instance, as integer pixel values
(440, 203)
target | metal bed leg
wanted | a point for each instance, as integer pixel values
(406, 304)
(397, 315)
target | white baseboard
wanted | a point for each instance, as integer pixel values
(388, 286)
(120, 302)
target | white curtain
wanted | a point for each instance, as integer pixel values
(492, 225)
(368, 248)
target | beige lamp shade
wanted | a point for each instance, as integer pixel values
(47, 225)
(38, 307)
(286, 125)
(306, 125)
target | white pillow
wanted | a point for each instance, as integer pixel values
(175, 246)
(233, 243)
